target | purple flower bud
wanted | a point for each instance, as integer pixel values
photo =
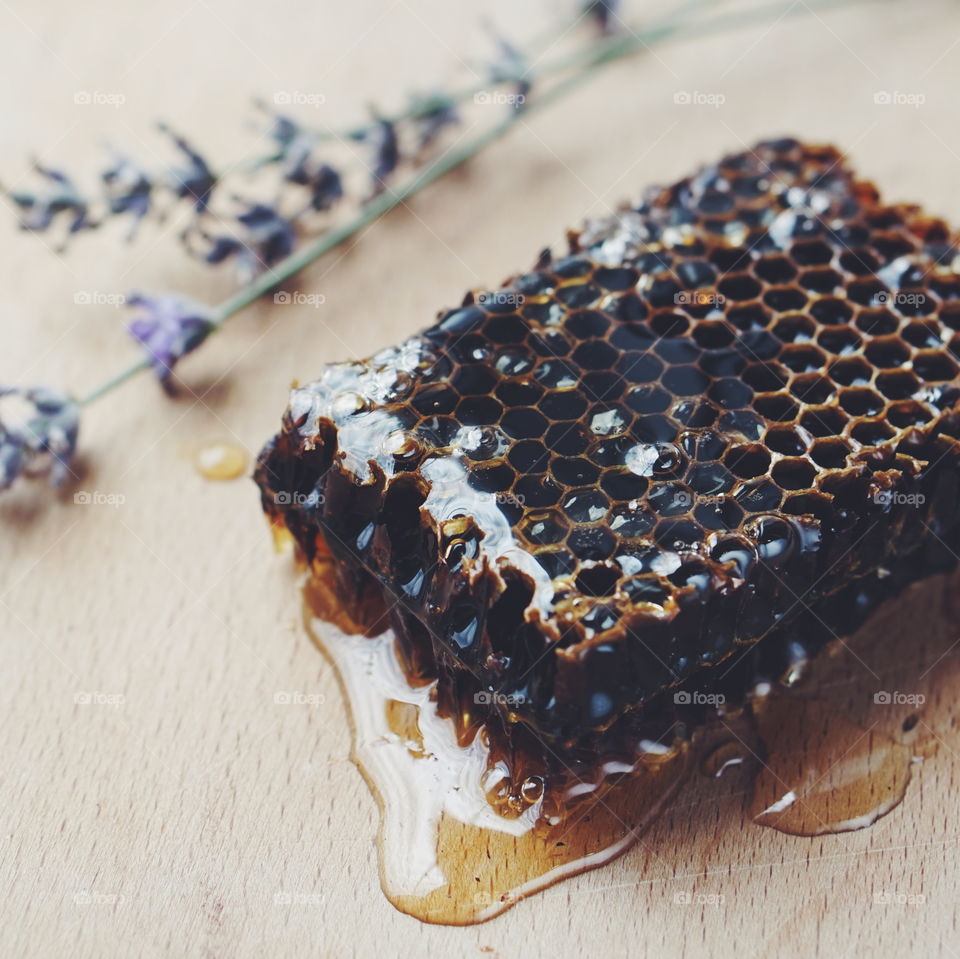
(43, 440)
(196, 180)
(168, 328)
(39, 210)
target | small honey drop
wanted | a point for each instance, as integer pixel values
(221, 461)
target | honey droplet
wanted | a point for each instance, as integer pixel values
(221, 461)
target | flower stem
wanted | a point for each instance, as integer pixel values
(585, 61)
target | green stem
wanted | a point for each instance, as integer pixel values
(612, 48)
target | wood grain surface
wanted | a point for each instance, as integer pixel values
(155, 798)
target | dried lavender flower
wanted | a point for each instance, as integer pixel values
(45, 440)
(194, 181)
(604, 14)
(169, 328)
(386, 151)
(39, 210)
(433, 114)
(267, 237)
(129, 190)
(511, 67)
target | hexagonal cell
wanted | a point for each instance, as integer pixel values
(568, 439)
(591, 542)
(712, 334)
(587, 324)
(479, 411)
(934, 367)
(826, 421)
(585, 505)
(839, 339)
(786, 440)
(777, 407)
(872, 432)
(544, 527)
(750, 316)
(811, 252)
(638, 367)
(513, 362)
(670, 499)
(556, 562)
(887, 352)
(518, 392)
(523, 422)
(831, 311)
(506, 329)
(529, 456)
(616, 278)
(829, 453)
(877, 322)
(495, 478)
(923, 334)
(802, 358)
(574, 470)
(562, 405)
(595, 355)
(669, 324)
(793, 473)
(785, 299)
(739, 287)
(631, 521)
(795, 328)
(599, 579)
(685, 381)
(897, 384)
(907, 413)
(623, 484)
(859, 401)
(820, 280)
(774, 269)
(759, 496)
(678, 534)
(556, 374)
(859, 262)
(537, 491)
(748, 461)
(766, 377)
(722, 513)
(603, 420)
(730, 393)
(851, 371)
(710, 479)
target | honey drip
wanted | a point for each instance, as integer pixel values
(834, 754)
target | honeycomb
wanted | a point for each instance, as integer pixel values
(689, 452)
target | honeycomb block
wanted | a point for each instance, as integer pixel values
(679, 458)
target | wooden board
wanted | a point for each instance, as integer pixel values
(164, 816)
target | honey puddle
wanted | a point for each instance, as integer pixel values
(834, 754)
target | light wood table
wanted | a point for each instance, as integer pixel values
(166, 824)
